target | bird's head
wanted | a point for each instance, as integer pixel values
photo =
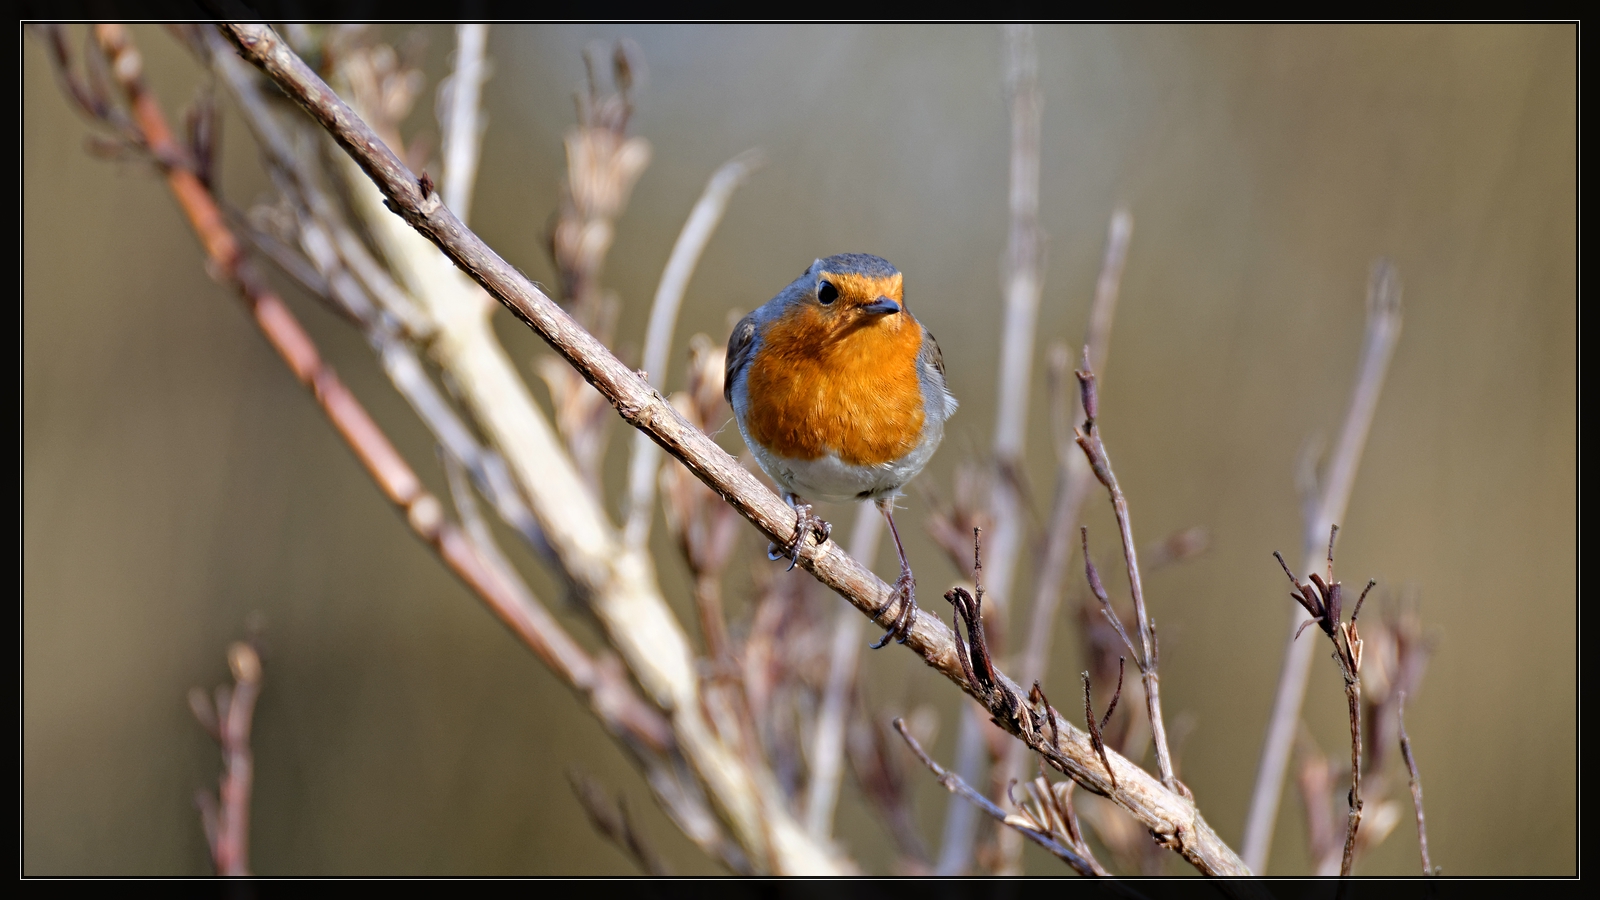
(849, 293)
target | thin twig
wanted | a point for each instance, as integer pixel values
(1352, 692)
(692, 240)
(461, 119)
(226, 817)
(1416, 788)
(616, 825)
(1382, 333)
(1100, 461)
(1074, 480)
(955, 785)
(1151, 804)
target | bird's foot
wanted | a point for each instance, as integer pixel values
(806, 525)
(905, 590)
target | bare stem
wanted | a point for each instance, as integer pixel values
(1416, 787)
(1382, 333)
(1095, 451)
(1149, 802)
(1352, 692)
(613, 700)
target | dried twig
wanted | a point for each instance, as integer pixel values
(1155, 807)
(955, 785)
(1382, 333)
(615, 824)
(1416, 788)
(1148, 658)
(1323, 600)
(1095, 728)
(226, 816)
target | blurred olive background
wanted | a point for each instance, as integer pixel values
(176, 480)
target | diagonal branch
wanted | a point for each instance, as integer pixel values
(1168, 814)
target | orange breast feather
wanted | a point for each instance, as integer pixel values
(815, 389)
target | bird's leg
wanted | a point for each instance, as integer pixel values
(806, 524)
(904, 587)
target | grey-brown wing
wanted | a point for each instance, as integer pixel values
(930, 355)
(740, 345)
(930, 361)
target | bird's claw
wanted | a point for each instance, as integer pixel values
(806, 525)
(904, 587)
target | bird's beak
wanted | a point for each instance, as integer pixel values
(882, 306)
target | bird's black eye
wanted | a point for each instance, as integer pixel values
(827, 293)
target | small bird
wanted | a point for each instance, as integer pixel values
(840, 394)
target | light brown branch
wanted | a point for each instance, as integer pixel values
(1154, 806)
(1382, 333)
(1352, 693)
(1100, 462)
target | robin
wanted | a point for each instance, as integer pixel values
(840, 394)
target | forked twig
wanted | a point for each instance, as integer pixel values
(615, 824)
(1147, 659)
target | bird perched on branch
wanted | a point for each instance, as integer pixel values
(840, 394)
